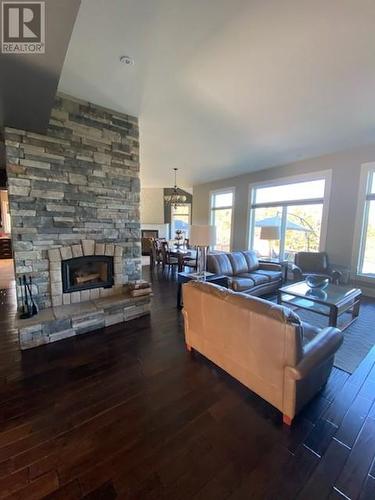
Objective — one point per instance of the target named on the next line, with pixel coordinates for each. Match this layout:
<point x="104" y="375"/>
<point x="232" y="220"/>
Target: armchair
<point x="314" y="263"/>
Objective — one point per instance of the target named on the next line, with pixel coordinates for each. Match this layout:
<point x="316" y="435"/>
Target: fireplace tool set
<point x="28" y="308"/>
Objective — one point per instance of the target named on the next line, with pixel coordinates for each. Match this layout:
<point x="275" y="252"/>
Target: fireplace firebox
<point x="83" y="273"/>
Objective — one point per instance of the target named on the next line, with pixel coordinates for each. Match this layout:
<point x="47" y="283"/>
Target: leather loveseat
<point x="245" y="273"/>
<point x="263" y="345"/>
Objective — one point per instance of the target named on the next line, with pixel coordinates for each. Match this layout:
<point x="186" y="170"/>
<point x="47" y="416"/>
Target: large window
<point x="288" y="217"/>
<point x="221" y="217"/>
<point x="366" y="264"/>
<point x="181" y="219"/>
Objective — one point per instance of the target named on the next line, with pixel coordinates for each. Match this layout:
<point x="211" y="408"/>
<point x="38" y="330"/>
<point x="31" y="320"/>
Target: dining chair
<point x="156" y="258"/>
<point x="167" y="258"/>
<point x="191" y="262"/>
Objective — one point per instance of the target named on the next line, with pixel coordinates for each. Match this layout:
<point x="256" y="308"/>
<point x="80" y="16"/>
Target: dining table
<point x="181" y="254"/>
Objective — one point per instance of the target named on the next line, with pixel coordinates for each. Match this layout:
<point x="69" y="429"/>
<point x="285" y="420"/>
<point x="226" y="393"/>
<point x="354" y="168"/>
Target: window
<point x="366" y="264"/>
<point x="221" y="217"/>
<point x="181" y="219"/>
<point x="287" y="217"/>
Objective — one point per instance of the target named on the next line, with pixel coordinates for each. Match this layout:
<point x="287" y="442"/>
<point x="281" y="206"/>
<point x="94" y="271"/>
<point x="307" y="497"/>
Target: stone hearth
<point x="61" y="322"/>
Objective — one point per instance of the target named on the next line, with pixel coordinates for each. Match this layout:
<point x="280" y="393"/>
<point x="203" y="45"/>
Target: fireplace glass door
<point x="83" y="273"/>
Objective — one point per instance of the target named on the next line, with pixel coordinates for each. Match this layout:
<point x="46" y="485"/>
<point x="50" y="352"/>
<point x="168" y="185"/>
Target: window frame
<point x="212" y="209"/>
<point x="361" y="222"/>
<point x="283" y="181"/>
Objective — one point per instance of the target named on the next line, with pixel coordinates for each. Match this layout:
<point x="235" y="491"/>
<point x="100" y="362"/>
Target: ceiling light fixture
<point x="127" y="60"/>
<point x="175" y="198"/>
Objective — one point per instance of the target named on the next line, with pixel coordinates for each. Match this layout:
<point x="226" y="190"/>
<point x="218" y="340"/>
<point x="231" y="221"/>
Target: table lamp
<point x="202" y="237"/>
<point x="270" y="233"/>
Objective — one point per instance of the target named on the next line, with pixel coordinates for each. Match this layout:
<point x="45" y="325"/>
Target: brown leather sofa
<point x="245" y="273"/>
<point x="263" y="345"/>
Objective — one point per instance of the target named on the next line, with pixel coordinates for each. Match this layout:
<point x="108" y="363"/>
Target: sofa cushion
<point x="271" y="275"/>
<point x="252" y="260"/>
<point x="219" y="263"/>
<point x="239" y="263"/>
<point x="242" y="284"/>
<point x="257" y="278"/>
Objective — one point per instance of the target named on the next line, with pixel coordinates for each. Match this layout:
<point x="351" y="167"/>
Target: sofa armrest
<point x="297" y="271"/>
<point x="270" y="266"/>
<point x="321" y="348"/>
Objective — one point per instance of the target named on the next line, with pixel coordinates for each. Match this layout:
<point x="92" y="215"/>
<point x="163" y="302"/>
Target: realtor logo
<point x="23" y="28"/>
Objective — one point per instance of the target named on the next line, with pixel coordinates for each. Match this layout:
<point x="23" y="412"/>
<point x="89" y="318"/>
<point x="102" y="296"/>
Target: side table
<point x="183" y="277"/>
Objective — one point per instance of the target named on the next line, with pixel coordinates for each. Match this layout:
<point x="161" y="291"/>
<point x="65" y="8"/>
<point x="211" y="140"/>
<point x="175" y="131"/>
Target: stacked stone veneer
<point x="78" y="183"/>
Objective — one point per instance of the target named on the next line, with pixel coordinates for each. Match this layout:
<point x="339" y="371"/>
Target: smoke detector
<point x="127" y="60"/>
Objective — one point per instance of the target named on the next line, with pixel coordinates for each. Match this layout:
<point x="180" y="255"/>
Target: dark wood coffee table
<point x="331" y="302"/>
<point x="182" y="278"/>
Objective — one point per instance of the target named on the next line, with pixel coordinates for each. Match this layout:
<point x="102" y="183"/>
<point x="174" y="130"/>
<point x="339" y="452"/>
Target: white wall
<point x="345" y="167"/>
<point x="152" y="206"/>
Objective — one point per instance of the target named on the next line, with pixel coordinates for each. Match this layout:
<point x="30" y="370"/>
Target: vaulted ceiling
<point x="28" y="82"/>
<point x="223" y="87"/>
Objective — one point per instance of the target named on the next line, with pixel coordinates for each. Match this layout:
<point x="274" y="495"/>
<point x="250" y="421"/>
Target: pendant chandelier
<point x="175" y="198"/>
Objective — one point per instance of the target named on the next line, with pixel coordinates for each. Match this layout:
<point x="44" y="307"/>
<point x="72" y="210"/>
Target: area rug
<point x="359" y="337"/>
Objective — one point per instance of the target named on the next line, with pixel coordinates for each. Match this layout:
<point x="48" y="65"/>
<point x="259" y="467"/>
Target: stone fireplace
<point x="84" y="273"/>
<point x="74" y="204"/>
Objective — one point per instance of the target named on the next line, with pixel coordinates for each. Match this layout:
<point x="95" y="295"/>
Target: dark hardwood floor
<point x="128" y="413"/>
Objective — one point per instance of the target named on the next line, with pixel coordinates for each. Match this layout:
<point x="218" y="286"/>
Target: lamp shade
<point x="202" y="236"/>
<point x="270" y="233"/>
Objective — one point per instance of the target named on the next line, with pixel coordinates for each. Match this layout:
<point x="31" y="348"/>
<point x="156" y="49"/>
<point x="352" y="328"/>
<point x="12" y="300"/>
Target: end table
<point x="182" y="278"/>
